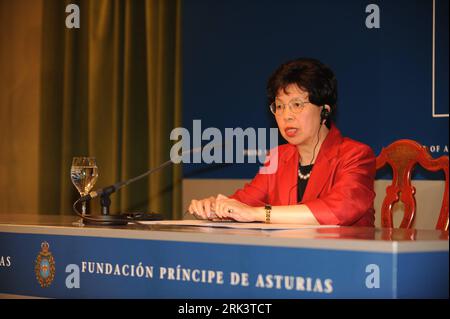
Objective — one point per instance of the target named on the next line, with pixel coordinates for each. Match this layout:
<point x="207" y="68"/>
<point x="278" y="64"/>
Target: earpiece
<point x="324" y="114"/>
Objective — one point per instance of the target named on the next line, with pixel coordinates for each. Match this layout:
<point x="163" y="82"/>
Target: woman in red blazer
<point x="319" y="177"/>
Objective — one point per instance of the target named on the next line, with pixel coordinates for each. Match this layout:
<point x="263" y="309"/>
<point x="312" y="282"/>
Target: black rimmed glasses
<point x="295" y="106"/>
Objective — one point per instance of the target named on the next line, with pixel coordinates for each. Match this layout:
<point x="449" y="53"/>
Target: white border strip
<point x="13" y="296"/>
<point x="234" y="238"/>
<point x="421" y="246"/>
<point x="394" y="271"/>
<point x="433" y="71"/>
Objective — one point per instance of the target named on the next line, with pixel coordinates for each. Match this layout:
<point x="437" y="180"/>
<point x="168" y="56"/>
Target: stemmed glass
<point x="84" y="174"/>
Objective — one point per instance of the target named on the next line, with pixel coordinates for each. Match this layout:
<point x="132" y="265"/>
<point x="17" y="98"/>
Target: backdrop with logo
<point x="393" y="80"/>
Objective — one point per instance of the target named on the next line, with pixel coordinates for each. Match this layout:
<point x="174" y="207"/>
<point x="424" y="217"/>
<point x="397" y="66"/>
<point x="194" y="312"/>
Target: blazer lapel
<point x="323" y="168"/>
<point x="291" y="177"/>
<point x="319" y="177"/>
<point x="287" y="178"/>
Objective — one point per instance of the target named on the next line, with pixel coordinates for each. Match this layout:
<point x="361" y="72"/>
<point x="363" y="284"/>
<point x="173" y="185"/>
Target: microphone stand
<point x="105" y="218"/>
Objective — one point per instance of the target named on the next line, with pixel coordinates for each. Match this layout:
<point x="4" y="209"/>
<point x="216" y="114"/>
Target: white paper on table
<point x="234" y="225"/>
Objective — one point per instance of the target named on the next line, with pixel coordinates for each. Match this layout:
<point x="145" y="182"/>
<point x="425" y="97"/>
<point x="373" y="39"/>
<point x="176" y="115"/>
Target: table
<point x="45" y="256"/>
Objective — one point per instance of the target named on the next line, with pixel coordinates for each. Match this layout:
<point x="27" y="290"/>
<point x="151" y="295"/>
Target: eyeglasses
<point x="295" y="106"/>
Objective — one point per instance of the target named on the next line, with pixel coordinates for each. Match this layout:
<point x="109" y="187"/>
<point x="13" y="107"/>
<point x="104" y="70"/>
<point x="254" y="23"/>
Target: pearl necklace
<point x="303" y="177"/>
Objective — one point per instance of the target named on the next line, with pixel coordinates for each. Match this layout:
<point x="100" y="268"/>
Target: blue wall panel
<point x="231" y="47"/>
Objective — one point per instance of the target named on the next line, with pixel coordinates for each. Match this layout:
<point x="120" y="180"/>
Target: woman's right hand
<point x="203" y="208"/>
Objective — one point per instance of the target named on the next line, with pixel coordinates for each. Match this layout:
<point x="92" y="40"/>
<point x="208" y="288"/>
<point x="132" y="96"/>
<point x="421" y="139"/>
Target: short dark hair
<point x="311" y="76"/>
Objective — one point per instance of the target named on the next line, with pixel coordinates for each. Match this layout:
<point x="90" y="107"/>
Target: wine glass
<point x="84" y="174"/>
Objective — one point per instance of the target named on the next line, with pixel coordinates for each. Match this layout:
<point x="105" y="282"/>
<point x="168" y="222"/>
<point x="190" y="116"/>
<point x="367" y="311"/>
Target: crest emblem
<point x="45" y="266"/>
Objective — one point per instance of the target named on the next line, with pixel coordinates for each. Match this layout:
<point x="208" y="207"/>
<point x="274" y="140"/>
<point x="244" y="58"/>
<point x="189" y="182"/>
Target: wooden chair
<point x="402" y="156"/>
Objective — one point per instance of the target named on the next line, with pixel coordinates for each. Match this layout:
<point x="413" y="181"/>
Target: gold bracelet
<point x="268" y="209"/>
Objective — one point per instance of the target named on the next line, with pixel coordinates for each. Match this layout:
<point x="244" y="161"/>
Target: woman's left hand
<point x="231" y="208"/>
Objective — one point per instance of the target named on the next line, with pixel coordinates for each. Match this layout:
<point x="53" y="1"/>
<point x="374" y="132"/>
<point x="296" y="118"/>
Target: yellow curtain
<point x="111" y="89"/>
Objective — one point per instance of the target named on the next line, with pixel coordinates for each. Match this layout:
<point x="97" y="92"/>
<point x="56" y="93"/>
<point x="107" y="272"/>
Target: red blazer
<point x="340" y="190"/>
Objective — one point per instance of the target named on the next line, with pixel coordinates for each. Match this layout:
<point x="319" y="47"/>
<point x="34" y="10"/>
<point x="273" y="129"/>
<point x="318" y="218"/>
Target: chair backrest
<point x="402" y="156"/>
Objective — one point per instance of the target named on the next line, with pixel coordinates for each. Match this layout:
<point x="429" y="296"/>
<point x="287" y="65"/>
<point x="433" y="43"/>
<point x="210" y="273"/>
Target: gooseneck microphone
<point x="116" y="220"/>
<point x="122" y="219"/>
<point x="115" y="187"/>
